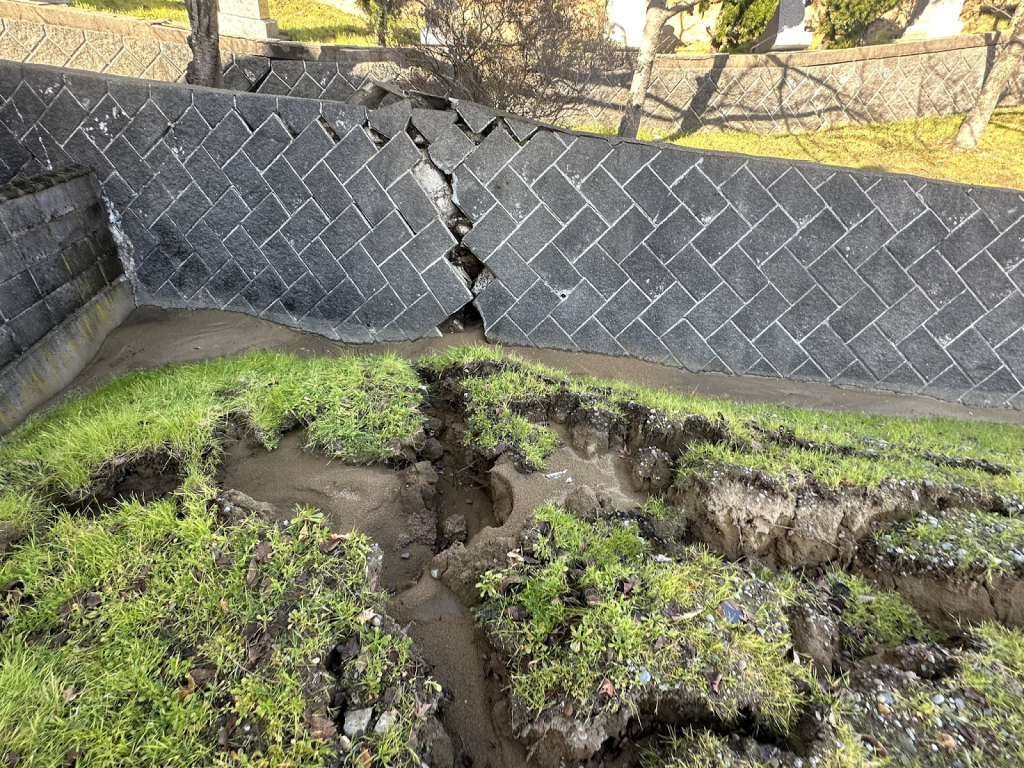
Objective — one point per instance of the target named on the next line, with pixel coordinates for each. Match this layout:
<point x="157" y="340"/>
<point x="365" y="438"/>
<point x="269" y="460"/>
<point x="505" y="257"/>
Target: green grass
<point x="105" y="616"/>
<point x="954" y="541"/>
<point x="599" y="610"/>
<point x="874" y="619"/>
<point x="359" y="409"/>
<point x="787" y="444"/>
<point x="920" y="147"/>
<point x="96" y="658"/>
<point x="306" y="21"/>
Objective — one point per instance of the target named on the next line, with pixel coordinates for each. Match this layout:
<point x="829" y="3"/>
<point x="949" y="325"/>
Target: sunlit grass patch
<point x="599" y="623"/>
<point x="356" y="408"/>
<point x="151" y="635"/>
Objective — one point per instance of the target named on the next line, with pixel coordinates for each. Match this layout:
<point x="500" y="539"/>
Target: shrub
<point x="741" y="23"/>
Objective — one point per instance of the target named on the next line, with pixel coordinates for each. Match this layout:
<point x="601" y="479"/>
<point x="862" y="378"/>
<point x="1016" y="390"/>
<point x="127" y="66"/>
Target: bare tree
<point x="658" y="14"/>
<point x="382" y="15"/>
<point x="1008" y="59"/>
<point x="204" y="40"/>
<point x="532" y="57"/>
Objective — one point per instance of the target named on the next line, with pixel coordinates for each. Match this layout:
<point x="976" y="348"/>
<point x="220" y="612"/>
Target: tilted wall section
<point x="323" y="216"/>
<point x="56" y="255"/>
<point x="768" y="93"/>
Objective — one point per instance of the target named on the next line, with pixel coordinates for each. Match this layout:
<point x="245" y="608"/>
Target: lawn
<point x="302" y="20"/>
<point x="920" y="147"/>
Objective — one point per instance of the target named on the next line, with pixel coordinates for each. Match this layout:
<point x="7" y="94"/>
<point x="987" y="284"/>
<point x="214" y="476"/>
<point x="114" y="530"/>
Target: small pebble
<point x="469" y="501"/>
<point x="406" y="555"/>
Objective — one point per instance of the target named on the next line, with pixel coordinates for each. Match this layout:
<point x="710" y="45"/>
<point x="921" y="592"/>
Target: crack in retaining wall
<point x="369" y="225"/>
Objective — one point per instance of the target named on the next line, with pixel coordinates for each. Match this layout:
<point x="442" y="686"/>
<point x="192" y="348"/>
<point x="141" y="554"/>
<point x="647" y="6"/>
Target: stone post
<point x="786" y="30"/>
<point x="246" y="18"/>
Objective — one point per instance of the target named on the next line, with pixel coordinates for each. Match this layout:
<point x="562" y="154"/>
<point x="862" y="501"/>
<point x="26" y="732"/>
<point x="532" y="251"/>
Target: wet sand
<point x="152" y="337"/>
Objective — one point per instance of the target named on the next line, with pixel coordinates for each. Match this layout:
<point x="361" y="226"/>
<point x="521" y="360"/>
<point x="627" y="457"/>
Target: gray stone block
<point x="606" y="195"/>
<point x="733" y="348"/>
<point x="720" y="235"/>
<point x="267" y="143"/>
<point x="264" y="220"/>
<point x="1003" y="320"/>
<point x="593" y="337"/>
<point x="1007" y="249"/>
<point x="535" y="232"/>
<point x="579" y="234"/>
<point x="350" y="154"/>
<point x="286" y="185"/>
<point x="896" y="200"/>
<point x="955" y="317"/>
<point x="386" y="237"/>
<point x="429" y="244"/>
<point x="581" y="157"/>
<point x="369" y="196"/>
<point x="797" y="197"/>
<point x="688" y="347"/>
<point x="513" y="194"/>
<point x="748" y="196"/>
<point x="477" y="117"/>
<point x="667" y="310"/>
<point x="555" y="270"/>
<point x="968" y="240"/>
<point x="938" y="280"/>
<point x="876" y="352"/>
<point x="916" y="239"/>
<point x="950" y="203"/>
<point x="577" y="307"/>
<point x="246" y="180"/>
<point x="404" y="278"/>
<point x="779" y="349"/>
<point x="694" y="273"/>
<point x="448" y="286"/>
<point x="327" y="190"/>
<point x="65" y="114"/>
<point x="672" y="163"/>
<point x="432" y="122"/>
<point x="397" y="157"/>
<point x="538" y="155"/>
<point x="549" y="335"/>
<point x="601" y="270"/>
<point x="533" y="306"/>
<point x="308" y="149"/>
<point x="885" y="275"/>
<point x="492" y="154"/>
<point x="833" y="273"/>
<point x="31" y="325"/>
<point x="450" y="148"/>
<point x="647" y="272"/>
<point x="865" y="238"/>
<point x="906" y="315"/>
<point x="421" y="316"/>
<point x="807" y="313"/>
<point x="472" y="197"/>
<point x="511" y="269"/>
<point x="493" y="302"/>
<point x="413" y="203"/>
<point x="628" y="158"/>
<point x="649" y="192"/>
<point x="768" y="236"/>
<point x="760" y="312"/>
<point x="489" y="233"/>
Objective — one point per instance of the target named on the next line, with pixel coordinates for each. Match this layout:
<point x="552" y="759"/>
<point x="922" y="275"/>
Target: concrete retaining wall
<point x="357" y="225"/>
<point x="764" y="93"/>
<point x="61" y="285"/>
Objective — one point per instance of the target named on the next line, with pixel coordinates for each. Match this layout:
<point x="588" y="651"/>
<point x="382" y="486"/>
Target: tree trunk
<point x="204" y="40"/>
<point x="382" y="33"/>
<point x="655" y="18"/>
<point x="1008" y="58"/>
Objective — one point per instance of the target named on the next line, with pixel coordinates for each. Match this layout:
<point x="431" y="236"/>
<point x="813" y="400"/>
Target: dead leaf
<point x="321" y="727"/>
<point x="224" y="606"/>
<point x="365" y="759"/>
<point x="331" y="543"/>
<point x="607" y="689"/>
<point x="69" y="694"/>
<point x="630" y="584"/>
<point x="567" y="710"/>
<point x="186" y="690"/>
<point x="878" y="746"/>
<point x="660" y="643"/>
<point x="251" y="576"/>
<point x="422" y="709"/>
<point x="262" y="552"/>
<point x="220" y="558"/>
<point x="715" y="680"/>
<point x="367" y="615"/>
<point x="516" y="613"/>
<point x="222" y="737"/>
<point x="947" y="742"/>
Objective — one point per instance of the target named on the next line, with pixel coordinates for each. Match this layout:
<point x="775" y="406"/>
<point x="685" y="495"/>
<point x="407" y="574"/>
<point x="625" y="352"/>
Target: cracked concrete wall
<point x="381" y="224"/>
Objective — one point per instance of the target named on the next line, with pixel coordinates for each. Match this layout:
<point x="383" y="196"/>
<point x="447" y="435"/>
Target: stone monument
<point x="246" y="18"/>
<point x="785" y="31"/>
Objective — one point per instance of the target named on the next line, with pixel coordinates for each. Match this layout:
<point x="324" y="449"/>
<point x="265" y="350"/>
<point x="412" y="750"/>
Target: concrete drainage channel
<point x="445" y="513"/>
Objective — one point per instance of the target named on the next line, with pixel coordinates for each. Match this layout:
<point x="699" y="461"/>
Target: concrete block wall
<point x="56" y="254"/>
<point x="356" y="225"/>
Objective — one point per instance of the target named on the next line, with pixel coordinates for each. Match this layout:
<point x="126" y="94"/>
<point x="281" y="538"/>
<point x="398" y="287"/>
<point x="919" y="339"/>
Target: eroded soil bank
<point x="785" y="655"/>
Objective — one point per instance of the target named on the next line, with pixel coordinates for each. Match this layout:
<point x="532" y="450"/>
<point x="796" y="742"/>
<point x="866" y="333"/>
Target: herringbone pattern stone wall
<point x="282" y="208"/>
<point x="743" y="265"/>
<point x="351" y="224"/>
